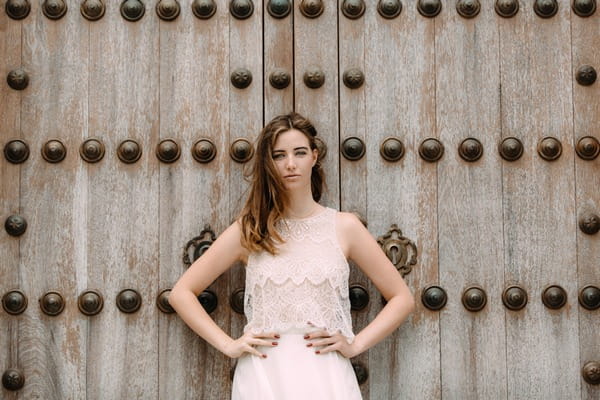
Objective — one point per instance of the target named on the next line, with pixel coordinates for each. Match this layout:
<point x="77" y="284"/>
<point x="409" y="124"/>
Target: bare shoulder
<point x="349" y="228"/>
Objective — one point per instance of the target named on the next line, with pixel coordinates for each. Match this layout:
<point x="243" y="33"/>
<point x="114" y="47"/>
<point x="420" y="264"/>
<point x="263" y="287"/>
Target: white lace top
<point x="306" y="282"/>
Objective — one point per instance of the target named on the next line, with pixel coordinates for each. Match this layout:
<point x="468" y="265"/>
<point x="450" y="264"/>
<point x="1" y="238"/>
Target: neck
<point x="301" y="206"/>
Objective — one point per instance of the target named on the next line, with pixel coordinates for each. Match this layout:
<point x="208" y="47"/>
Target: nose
<point x="290" y="163"/>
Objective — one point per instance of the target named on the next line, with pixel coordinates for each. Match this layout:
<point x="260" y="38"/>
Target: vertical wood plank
<point x="194" y="92"/>
<point x="473" y="361"/>
<point x="123" y="219"/>
<point x="400" y="81"/>
<point x="539" y="204"/>
<point x="52" y="349"/>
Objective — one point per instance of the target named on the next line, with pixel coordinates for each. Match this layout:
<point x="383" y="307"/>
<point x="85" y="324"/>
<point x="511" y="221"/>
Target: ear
<point x="315" y="154"/>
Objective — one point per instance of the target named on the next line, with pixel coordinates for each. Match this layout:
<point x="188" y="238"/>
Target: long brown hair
<point x="267" y="198"/>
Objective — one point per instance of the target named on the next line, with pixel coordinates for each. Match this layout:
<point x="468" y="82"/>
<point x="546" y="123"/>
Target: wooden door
<point x="131" y="137"/>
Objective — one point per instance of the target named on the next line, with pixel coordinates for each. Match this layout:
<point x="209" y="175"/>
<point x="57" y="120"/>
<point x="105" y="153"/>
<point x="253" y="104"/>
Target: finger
<point x="262" y="342"/>
<point x="270" y="335"/>
<point x="328" y="349"/>
<point x="317" y="334"/>
<point x="322" y="342"/>
<point x="254" y="351"/>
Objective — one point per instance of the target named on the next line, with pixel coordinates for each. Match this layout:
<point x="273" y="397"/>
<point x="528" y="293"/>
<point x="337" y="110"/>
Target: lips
<point x="291" y="176"/>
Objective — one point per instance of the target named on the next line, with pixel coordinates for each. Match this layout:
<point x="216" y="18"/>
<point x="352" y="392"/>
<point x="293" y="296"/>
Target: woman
<point x="298" y="340"/>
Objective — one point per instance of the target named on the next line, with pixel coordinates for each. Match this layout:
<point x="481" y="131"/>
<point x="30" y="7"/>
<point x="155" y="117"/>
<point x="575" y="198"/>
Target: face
<point x="294" y="159"/>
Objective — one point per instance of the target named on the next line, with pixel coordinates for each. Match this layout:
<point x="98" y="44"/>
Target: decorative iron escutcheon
<point x="18" y="79"/>
<point x="312" y="8"/>
<point x="468" y="8"/>
<point x="353" y="9"/>
<point x="90" y="302"/>
<point x="429" y="8"/>
<point x="591" y="372"/>
<point x="279" y="78"/>
<point x="204" y="151"/>
<point x="584" y="8"/>
<point x="389" y="8"/>
<point x="434" y="297"/>
<point x="200" y="244"/>
<point x="54" y="9"/>
<point x="52" y="303"/>
<point x="236" y="301"/>
<point x="16" y="151"/>
<point x="401" y="251"/>
<point x="506" y="8"/>
<point x="14" y="302"/>
<point x="241" y="9"/>
<point x="589" y="297"/>
<point x="15" y="225"/>
<point x="361" y="372"/>
<point x="17" y="9"/>
<point x="13" y="379"/>
<point x="279" y="8"/>
<point x="132" y="10"/>
<point x="168" y="10"/>
<point x="92" y="10"/>
<point x="204" y="9"/>
<point x="545" y="8"/>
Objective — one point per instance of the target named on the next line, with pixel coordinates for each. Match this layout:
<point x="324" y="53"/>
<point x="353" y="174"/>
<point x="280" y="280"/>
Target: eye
<point x="301" y="153"/>
<point x="277" y="156"/>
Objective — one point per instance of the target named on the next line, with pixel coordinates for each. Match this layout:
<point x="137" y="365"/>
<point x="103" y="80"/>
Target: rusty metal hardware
<point x="129" y="301"/>
<point x="54" y="9"/>
<point x="54" y="151"/>
<point x="279" y="78"/>
<point x="361" y="372"/>
<point x="506" y="8"/>
<point x="353" y="9"/>
<point x="208" y="299"/>
<point x="389" y="8"/>
<point x="311" y="8"/>
<point x="17" y="9"/>
<point x="429" y="8"/>
<point x="584" y="8"/>
<point x="14" y="302"/>
<point x="52" y="303"/>
<point x="92" y="10"/>
<point x="90" y="302"/>
<point x="401" y="251"/>
<point x="468" y="8"/>
<point x="589" y="297"/>
<point x="321" y="149"/>
<point x="18" y="79"/>
<point x="353" y="148"/>
<point x="13" y="379"/>
<point x="129" y="151"/>
<point x="589" y="223"/>
<point x="16" y="151"/>
<point x="591" y="372"/>
<point x="431" y="150"/>
<point x="162" y="302"/>
<point x="391" y="149"/>
<point x="241" y="150"/>
<point x="168" y="10"/>
<point x="588" y="148"/>
<point x="241" y="78"/>
<point x="199" y="244"/>
<point x="204" y="151"/>
<point x="92" y="150"/>
<point x="353" y="78"/>
<point x="549" y="148"/>
<point x="554" y="297"/>
<point x="545" y="8"/>
<point x="434" y="297"/>
<point x="314" y="77"/>
<point x="511" y="149"/>
<point x="241" y="9"/>
<point x="168" y="151"/>
<point x="279" y="8"/>
<point x="514" y="297"/>
<point x="236" y="301"/>
<point x="586" y="75"/>
<point x="15" y="225"/>
<point x="474" y="298"/>
<point x="359" y="297"/>
<point x="204" y="9"/>
<point x="132" y="10"/>
<point x="470" y="149"/>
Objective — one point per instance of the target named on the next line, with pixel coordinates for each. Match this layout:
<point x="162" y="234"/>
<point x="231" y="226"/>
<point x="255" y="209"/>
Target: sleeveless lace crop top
<point x="306" y="282"/>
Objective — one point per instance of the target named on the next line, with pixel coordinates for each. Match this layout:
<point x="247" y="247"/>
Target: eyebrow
<point x="296" y="148"/>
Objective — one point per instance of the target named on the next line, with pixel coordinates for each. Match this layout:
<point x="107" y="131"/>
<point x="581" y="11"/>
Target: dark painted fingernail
<point x="276" y="336"/>
<point x="318" y="352"/>
<point x="306" y="336"/>
<point x="274" y="343"/>
<point x="264" y="356"/>
<point x="309" y="345"/>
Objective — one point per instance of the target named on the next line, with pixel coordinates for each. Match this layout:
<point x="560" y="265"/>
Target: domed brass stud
<point x="162" y="302"/>
<point x="52" y="303"/>
<point x="361" y="372"/>
<point x="168" y="151"/>
<point x="91" y="150"/>
<point x="314" y="77"/>
<point x="208" y="299"/>
<point x="431" y="150"/>
<point x="353" y="148"/>
<point x="90" y="302"/>
<point x="586" y="75"/>
<point x="168" y="10"/>
<point x="15" y="225"/>
<point x="474" y="299"/>
<point x="236" y="301"/>
<point x="204" y="151"/>
<point x="17" y="9"/>
<point x="129" y="301"/>
<point x="54" y="151"/>
<point x="321" y="149"/>
<point x="389" y="8"/>
<point x="591" y="372"/>
<point x="511" y="149"/>
<point x="54" y="9"/>
<point x="279" y="8"/>
<point x="359" y="297"/>
<point x="434" y="297"/>
<point x="589" y="223"/>
<point x="392" y="149"/>
<point x="429" y="8"/>
<point x="241" y="78"/>
<point x="311" y="8"/>
<point x="353" y="9"/>
<point x="18" y="79"/>
<point x="554" y="297"/>
<point x="241" y="150"/>
<point x="13" y="379"/>
<point x="353" y="78"/>
<point x="589" y="297"/>
<point x="14" y="302"/>
<point x="129" y="151"/>
<point x="588" y="148"/>
<point x="241" y="9"/>
<point x="132" y="10"/>
<point x="549" y="148"/>
<point x="204" y="9"/>
<point x="514" y="298"/>
<point x="92" y="10"/>
<point x="16" y="151"/>
<point x="545" y="8"/>
<point x="584" y="8"/>
<point x="506" y="8"/>
<point x="470" y="149"/>
<point x="279" y="78"/>
<point x="468" y="8"/>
